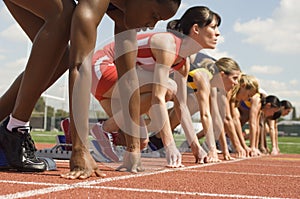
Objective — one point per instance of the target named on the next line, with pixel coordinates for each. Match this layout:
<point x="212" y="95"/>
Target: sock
<point x="155" y="143"/>
<point x="13" y="123"/>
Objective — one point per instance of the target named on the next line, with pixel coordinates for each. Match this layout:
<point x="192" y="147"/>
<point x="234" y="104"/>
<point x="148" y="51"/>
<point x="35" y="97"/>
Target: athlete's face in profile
<point x="244" y="94"/>
<point x="141" y="14"/>
<point x="269" y="110"/>
<point x="286" y="111"/>
<point x="230" y="80"/>
<point x="208" y="35"/>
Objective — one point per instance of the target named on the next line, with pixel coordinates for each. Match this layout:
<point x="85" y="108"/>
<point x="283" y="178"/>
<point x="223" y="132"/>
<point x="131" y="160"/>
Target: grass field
<point x="286" y="144"/>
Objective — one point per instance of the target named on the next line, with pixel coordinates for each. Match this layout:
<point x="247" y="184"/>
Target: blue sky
<point x="262" y="36"/>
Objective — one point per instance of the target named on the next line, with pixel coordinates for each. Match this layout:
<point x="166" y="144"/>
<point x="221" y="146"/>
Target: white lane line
<point x="268" y="165"/>
<point x="87" y="184"/>
<point x="62" y="187"/>
<point x="184" y="192"/>
<point x="244" y="173"/>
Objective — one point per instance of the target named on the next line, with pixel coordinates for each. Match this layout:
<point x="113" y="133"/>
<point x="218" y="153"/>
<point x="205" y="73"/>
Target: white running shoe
<point x="106" y="146"/>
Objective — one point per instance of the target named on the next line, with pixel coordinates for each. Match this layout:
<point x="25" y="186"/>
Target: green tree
<point x="40" y="105"/>
<point x="61" y="113"/>
<point x="50" y="111"/>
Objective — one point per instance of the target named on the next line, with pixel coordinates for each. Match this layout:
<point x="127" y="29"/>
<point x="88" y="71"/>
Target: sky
<point x="262" y="36"/>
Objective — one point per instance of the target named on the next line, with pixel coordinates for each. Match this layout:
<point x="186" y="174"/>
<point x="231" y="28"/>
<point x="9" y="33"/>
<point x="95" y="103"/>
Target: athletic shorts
<point x="104" y="75"/>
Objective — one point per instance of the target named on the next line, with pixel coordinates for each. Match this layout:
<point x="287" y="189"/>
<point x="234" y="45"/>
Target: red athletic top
<point x="104" y="71"/>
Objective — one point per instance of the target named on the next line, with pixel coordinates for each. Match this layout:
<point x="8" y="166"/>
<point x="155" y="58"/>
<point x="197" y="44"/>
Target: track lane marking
<point x="184" y="193"/>
<point x="269" y="165"/>
<point x="87" y="184"/>
<point x="62" y="187"/>
<point x="244" y="173"/>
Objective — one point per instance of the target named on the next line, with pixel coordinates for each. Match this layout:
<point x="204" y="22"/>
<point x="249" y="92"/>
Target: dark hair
<point x="200" y="15"/>
<point x="276" y="115"/>
<point x="273" y="100"/>
<point x="286" y="104"/>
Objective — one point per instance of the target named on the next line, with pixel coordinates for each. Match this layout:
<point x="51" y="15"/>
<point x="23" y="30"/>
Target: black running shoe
<point x="19" y="149"/>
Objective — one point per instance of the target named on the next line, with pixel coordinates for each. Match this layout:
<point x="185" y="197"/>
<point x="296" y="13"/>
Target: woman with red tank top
<point x="160" y="54"/>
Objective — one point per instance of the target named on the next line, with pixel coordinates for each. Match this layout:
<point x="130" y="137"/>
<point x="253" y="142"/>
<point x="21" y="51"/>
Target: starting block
<point x="60" y="152"/>
<point x="63" y="148"/>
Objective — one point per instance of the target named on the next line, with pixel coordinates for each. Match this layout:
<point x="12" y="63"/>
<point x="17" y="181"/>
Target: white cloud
<point x="14" y="33"/>
<point x="294" y="82"/>
<point x="14" y="68"/>
<point x="216" y="53"/>
<point x="266" y="70"/>
<point x="272" y="86"/>
<point x="18" y="64"/>
<point x="276" y="34"/>
<point x="283" y="91"/>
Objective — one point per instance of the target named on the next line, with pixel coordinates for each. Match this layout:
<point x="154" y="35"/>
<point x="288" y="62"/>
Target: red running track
<point x="262" y="177"/>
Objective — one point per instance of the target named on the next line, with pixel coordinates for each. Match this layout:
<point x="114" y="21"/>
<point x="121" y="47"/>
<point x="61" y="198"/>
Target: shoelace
<point x="29" y="146"/>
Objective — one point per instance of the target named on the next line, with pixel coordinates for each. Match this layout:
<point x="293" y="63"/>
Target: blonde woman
<point x="207" y="79"/>
<point x="249" y="110"/>
<point x="248" y="86"/>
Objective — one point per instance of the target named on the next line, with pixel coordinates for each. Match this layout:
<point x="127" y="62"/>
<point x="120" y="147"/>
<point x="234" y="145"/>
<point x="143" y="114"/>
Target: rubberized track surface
<point x="262" y="177"/>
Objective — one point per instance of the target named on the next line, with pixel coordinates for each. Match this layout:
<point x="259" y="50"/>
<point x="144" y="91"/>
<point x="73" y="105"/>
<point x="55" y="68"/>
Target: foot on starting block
<point x="50" y="163"/>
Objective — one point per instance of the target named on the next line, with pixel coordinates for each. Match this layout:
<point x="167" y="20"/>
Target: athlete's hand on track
<point x="254" y="152"/>
<point x="227" y="155"/>
<point x="240" y="152"/>
<point x="82" y="166"/>
<point x="248" y="151"/>
<point x="131" y="162"/>
<point x="198" y="152"/>
<point x="80" y="173"/>
<point x="212" y="156"/>
<point x="173" y="156"/>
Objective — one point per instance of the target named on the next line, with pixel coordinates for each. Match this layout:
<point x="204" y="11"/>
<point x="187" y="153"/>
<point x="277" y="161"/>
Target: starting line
<point x="93" y="185"/>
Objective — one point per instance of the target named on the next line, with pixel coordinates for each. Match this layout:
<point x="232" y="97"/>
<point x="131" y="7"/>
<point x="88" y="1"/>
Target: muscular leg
<point x="110" y="124"/>
<point x="47" y="49"/>
<point x="31" y="27"/>
<point x="37" y="75"/>
<point x="83" y="39"/>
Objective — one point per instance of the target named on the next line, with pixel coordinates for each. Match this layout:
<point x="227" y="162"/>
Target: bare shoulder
<point x="256" y="98"/>
<point x="164" y="41"/>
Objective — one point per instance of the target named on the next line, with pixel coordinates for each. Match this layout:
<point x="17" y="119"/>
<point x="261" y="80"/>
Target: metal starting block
<point x="56" y="152"/>
<point x="60" y="151"/>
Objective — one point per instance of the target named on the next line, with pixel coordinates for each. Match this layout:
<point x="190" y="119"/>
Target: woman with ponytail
<point x="208" y="79"/>
<point x="250" y="110"/>
<point x="160" y="54"/>
<point x="286" y="108"/>
<point x="248" y="86"/>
